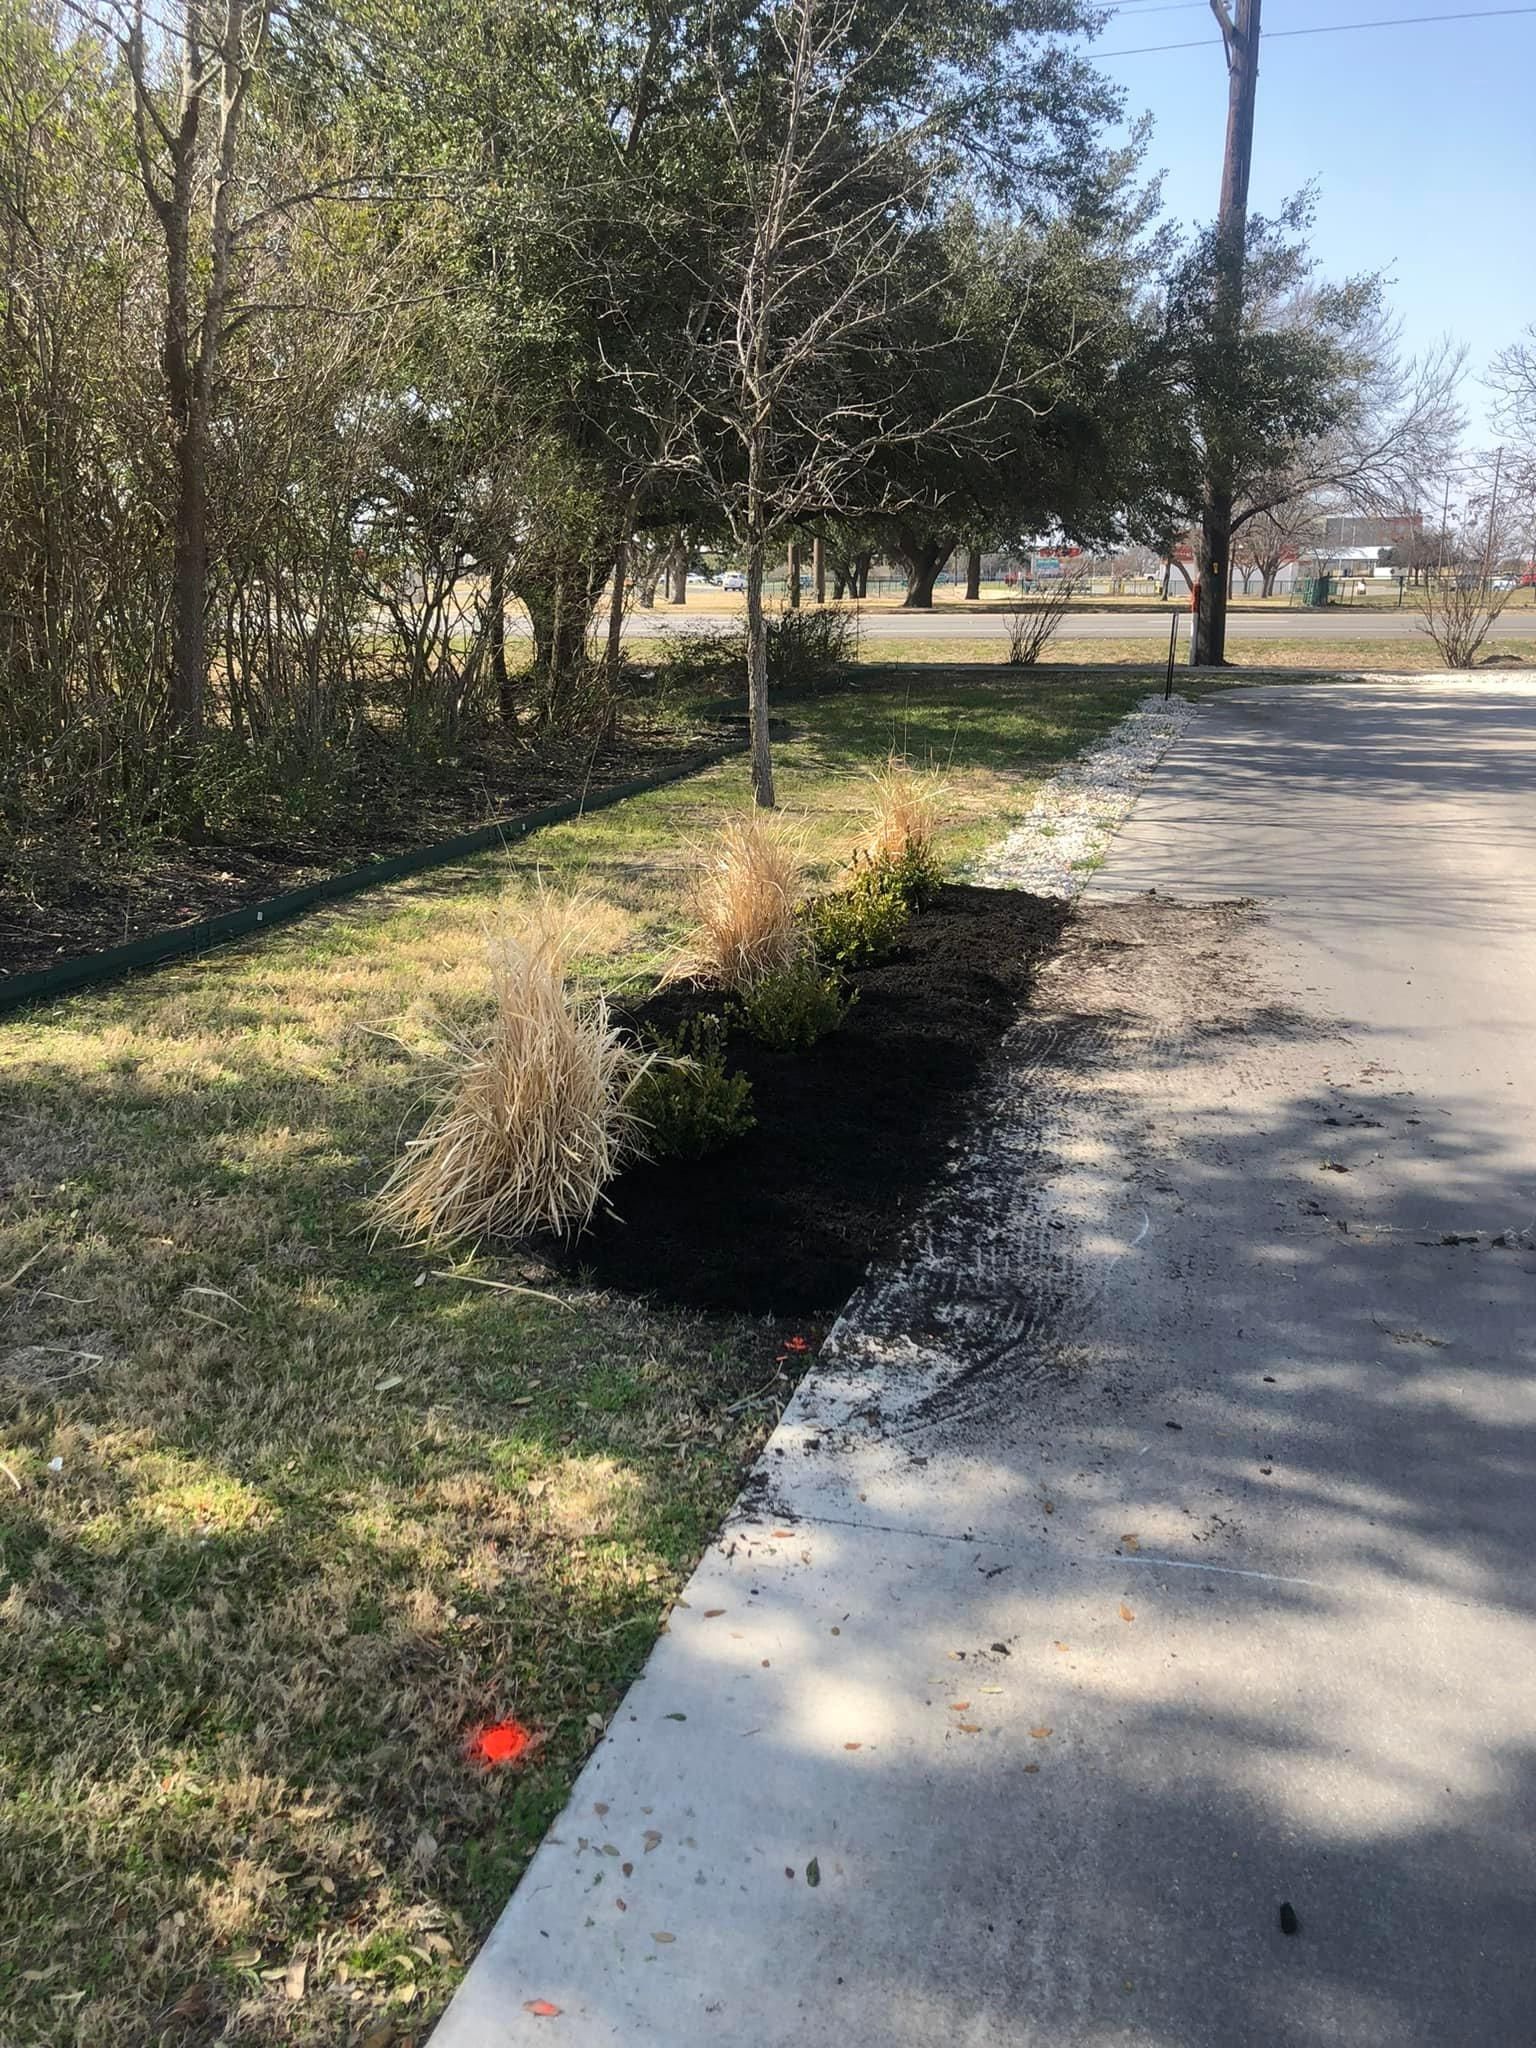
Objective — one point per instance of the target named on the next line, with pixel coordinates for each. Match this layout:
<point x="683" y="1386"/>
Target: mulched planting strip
<point x="849" y="1136"/>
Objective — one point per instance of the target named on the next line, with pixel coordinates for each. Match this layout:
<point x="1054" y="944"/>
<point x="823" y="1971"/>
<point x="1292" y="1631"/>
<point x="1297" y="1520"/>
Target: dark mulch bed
<point x="849" y="1134"/>
<point x="81" y="900"/>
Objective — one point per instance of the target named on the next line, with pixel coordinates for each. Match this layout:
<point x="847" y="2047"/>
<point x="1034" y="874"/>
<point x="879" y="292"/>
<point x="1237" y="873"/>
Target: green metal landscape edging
<point x="107" y="965"/>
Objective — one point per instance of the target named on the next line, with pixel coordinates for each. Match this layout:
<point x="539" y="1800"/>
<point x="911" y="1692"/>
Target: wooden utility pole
<point x="1240" y="34"/>
<point x="1493" y="513"/>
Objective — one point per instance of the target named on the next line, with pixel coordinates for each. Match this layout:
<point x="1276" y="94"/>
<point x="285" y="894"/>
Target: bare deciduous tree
<point x="813" y="274"/>
<point x="1275" y="536"/>
<point x="187" y="136"/>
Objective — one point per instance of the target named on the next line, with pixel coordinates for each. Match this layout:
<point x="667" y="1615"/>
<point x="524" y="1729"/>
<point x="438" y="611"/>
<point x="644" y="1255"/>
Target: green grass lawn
<point x="285" y="1515"/>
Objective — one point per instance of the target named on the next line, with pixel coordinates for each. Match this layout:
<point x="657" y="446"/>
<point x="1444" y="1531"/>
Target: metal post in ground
<point x="1173" y="648"/>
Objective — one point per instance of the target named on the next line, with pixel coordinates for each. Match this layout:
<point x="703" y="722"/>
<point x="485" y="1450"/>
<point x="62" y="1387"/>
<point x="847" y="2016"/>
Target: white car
<point x="699" y="581"/>
<point x="733" y="579"/>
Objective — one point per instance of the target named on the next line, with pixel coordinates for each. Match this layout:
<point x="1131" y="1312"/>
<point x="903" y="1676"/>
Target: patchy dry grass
<point x="1412" y="655"/>
<point x="286" y="1515"/>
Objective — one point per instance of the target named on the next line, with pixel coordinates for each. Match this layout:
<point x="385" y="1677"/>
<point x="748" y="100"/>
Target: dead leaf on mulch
<point x="1126" y="1613"/>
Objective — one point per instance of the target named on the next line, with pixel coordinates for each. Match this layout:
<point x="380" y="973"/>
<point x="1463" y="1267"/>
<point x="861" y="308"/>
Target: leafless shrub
<point x="1460" y="610"/>
<point x="1032" y="621"/>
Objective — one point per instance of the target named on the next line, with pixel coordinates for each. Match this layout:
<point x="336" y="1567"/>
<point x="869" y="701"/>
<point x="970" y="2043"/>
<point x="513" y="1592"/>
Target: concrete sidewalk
<point x="1152" y="1545"/>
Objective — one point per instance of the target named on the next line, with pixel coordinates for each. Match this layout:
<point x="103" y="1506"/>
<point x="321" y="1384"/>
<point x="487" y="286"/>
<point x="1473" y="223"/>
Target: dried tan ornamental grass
<point x="906" y="808"/>
<point x="743" y="902"/>
<point x="536" y="1123"/>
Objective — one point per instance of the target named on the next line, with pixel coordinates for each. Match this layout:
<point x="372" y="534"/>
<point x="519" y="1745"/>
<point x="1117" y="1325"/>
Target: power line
<point x="1332" y="28"/>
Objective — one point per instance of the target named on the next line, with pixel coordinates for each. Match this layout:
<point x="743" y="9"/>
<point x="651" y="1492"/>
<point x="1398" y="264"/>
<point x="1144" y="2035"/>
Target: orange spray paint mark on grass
<point x="504" y="1742"/>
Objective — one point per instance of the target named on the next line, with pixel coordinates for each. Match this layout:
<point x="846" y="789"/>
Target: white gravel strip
<point x="1071" y="822"/>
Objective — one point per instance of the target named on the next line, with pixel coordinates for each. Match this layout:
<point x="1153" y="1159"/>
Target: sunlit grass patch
<point x="324" y="1507"/>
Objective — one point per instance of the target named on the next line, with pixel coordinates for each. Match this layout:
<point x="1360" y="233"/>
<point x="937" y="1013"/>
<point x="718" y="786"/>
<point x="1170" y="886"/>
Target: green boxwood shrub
<point x="856" y="926"/>
<point x="791" y="1009"/>
<point x="914" y="873"/>
<point x="688" y="1102"/>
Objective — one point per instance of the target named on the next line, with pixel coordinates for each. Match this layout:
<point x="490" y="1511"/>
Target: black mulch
<point x="849" y="1136"/>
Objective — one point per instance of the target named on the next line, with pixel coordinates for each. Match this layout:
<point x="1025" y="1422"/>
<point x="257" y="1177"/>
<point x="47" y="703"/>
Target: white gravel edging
<point x="1071" y="822"/>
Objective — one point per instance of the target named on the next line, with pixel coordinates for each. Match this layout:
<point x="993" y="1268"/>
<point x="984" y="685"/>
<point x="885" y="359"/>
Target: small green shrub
<point x="856" y="926"/>
<point x="687" y="1103"/>
<point x="914" y="873"/>
<point x="790" y="1009"/>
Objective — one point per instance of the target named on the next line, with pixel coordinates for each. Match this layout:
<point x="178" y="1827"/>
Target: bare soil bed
<point x="849" y="1136"/>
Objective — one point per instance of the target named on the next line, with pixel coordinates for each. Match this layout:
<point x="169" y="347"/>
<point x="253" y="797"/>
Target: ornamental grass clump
<point x="537" y="1120"/>
<point x="906" y="807"/>
<point x="743" y="903"/>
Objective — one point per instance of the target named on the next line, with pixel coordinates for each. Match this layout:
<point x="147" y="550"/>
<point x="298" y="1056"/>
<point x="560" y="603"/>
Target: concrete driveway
<point x="1152" y="1546"/>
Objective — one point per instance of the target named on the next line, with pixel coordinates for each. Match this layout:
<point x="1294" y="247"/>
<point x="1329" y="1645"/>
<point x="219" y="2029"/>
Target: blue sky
<point x="1422" y="142"/>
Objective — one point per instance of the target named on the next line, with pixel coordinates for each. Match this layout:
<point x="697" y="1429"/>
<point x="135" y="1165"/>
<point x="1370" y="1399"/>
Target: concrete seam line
<point x="157" y="948"/>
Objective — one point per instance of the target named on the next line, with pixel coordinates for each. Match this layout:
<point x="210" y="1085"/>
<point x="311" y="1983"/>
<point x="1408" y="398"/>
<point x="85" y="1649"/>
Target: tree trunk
<point x="861" y="573"/>
<point x="792" y="576"/>
<point x="678" y="570"/>
<point x="189" y="515"/>
<point x="506" y="698"/>
<point x="1269" y="574"/>
<point x="1208" y="642"/>
<point x="616" y="608"/>
<point x="841" y="578"/>
<point x="972" y="575"/>
<point x="922" y="560"/>
<point x="560" y="597"/>
<point x="189" y="577"/>
<point x="757" y="626"/>
<point x="819" y="568"/>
